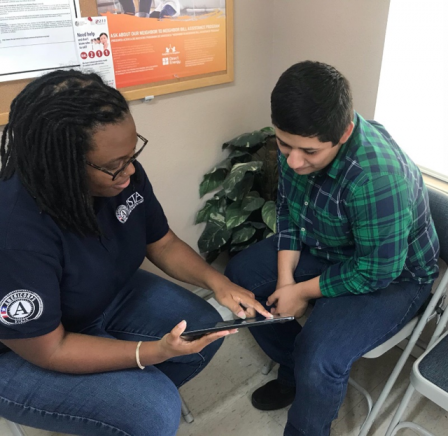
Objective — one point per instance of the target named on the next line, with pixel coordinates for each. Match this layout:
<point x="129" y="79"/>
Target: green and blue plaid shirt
<point x="367" y="212"/>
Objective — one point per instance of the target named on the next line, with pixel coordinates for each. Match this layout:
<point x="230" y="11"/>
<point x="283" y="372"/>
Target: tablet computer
<point x="197" y="331"/>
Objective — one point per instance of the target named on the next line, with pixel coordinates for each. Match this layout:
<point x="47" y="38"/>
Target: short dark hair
<point x="50" y="130"/>
<point x="101" y="34"/>
<point x="312" y="99"/>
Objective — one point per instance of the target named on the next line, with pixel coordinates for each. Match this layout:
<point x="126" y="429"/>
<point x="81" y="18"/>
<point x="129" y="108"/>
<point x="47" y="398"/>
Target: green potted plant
<point x="242" y="212"/>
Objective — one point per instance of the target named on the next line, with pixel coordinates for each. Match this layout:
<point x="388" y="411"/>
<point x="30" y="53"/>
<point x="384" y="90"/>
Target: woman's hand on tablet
<point x="172" y="344"/>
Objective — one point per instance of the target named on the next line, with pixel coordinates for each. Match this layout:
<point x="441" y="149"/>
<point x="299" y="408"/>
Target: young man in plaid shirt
<point x="354" y="237"/>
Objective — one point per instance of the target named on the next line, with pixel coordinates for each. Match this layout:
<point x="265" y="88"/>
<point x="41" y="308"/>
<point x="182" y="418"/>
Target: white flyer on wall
<point x="94" y="51"/>
<point x="36" y="37"/>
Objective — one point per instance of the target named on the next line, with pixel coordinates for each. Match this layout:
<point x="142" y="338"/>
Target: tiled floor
<point x="219" y="397"/>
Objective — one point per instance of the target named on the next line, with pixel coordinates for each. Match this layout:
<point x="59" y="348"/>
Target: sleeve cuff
<point x="333" y="285"/>
<point x="287" y="241"/>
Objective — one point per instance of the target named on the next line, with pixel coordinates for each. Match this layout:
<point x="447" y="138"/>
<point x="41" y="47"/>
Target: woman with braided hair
<point x="89" y="343"/>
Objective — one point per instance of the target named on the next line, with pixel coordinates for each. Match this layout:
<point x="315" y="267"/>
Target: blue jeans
<point x="129" y="402"/>
<point x="317" y="358"/>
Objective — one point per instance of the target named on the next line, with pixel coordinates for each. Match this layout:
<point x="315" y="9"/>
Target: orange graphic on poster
<point x="151" y="50"/>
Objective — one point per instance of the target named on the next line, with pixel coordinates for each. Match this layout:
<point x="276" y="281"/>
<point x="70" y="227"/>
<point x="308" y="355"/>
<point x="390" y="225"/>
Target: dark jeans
<point x="130" y="402"/>
<point x="317" y="358"/>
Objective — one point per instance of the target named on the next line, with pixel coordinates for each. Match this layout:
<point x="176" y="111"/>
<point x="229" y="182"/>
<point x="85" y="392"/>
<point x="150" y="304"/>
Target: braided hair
<point x="50" y="130"/>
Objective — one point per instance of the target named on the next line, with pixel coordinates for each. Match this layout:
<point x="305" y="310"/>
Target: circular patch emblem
<point x="20" y="306"/>
<point x="122" y="213"/>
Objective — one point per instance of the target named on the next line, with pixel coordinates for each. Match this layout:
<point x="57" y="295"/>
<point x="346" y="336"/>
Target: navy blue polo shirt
<point x="49" y="275"/>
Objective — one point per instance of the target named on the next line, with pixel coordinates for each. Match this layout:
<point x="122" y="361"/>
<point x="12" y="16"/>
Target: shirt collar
<point x="337" y="165"/>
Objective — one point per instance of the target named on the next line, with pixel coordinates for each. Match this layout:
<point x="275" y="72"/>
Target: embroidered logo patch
<point x="20" y="306"/>
<point x="123" y="211"/>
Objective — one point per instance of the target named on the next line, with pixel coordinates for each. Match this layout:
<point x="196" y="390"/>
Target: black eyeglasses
<point x="116" y="173"/>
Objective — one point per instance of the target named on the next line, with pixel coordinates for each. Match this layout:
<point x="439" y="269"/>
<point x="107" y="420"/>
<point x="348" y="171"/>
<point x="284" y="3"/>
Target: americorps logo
<point x="20" y="306"/>
<point x="123" y="211"/>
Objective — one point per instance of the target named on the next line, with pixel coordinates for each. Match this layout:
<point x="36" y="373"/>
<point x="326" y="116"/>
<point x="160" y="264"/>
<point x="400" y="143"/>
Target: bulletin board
<point x="9" y="90"/>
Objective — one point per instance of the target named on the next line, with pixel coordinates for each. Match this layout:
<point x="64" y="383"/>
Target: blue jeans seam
<point x="34" y="409"/>
<point x="261" y="284"/>
<point x="339" y="402"/>
<point x="194" y="373"/>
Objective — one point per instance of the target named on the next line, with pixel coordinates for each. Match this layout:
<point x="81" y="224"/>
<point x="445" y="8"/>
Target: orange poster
<point x="147" y="50"/>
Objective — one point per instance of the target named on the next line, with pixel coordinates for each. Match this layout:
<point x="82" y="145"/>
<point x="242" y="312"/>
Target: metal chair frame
<point x="434" y="309"/>
<point x="416" y="377"/>
<point x="16" y="429"/>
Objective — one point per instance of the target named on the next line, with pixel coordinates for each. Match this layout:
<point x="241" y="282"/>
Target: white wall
<point x="348" y="34"/>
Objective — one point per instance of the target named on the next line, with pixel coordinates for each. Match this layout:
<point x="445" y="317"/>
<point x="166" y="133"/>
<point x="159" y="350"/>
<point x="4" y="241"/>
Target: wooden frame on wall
<point x="9" y="90"/>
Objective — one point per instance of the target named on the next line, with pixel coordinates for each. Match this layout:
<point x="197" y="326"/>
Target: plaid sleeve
<point x="287" y="232"/>
<point x="382" y="219"/>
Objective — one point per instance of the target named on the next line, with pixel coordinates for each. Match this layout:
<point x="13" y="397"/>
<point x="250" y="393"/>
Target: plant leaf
<point x="204" y="213"/>
<point x="252" y="201"/>
<point x="269" y="215"/>
<point x="257" y="225"/>
<point x="267" y="234"/>
<point x="247" y="140"/>
<point x="215" y="205"/>
<point x="213" y="237"/>
<point x="211" y="182"/>
<point x="212" y="256"/>
<point x="242" y="188"/>
<point x="235" y="216"/>
<point x="226" y="164"/>
<point x="239" y="156"/>
<point x="238" y="172"/>
<point x="218" y="218"/>
<point x="242" y="234"/>
<point x="219" y="194"/>
<point x="269" y="130"/>
<point x="221" y="201"/>
<point x="214" y="177"/>
<point x="241" y="247"/>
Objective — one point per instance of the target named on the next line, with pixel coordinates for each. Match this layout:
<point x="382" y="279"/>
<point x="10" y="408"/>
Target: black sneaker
<point x="273" y="396"/>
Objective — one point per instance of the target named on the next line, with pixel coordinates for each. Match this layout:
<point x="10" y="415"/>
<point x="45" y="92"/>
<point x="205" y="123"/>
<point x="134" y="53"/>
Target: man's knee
<point x="233" y="271"/>
<point x="254" y="265"/>
<point x="240" y="269"/>
<point x="317" y="364"/>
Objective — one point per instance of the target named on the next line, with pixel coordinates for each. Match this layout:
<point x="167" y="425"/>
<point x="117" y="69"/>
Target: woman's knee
<point x="127" y="402"/>
<point x="154" y="413"/>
